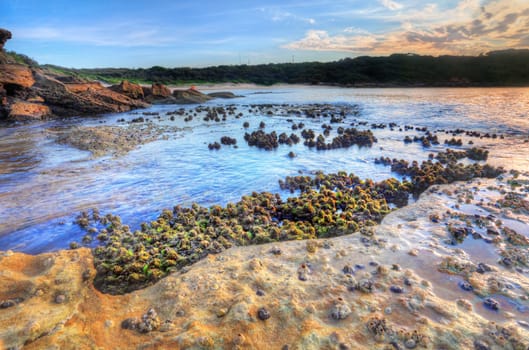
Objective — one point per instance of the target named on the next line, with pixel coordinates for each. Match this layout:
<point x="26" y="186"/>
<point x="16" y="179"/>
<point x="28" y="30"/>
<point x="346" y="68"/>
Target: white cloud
<point x="279" y="15"/>
<point x="354" y="30"/>
<point x="391" y="5"/>
<point x="121" y="35"/>
<point x="467" y="28"/>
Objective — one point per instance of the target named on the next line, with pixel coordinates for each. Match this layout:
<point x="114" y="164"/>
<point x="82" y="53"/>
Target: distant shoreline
<point x="243" y="86"/>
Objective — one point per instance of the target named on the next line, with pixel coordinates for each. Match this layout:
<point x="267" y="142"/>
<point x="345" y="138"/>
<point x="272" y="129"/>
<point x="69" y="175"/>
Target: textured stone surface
<point x="213" y="304"/>
<point x="16" y="74"/>
<point x="26" y="110"/>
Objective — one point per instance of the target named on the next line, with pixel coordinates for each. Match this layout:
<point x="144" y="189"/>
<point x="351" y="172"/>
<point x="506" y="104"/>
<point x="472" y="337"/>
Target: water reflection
<point x="43" y="185"/>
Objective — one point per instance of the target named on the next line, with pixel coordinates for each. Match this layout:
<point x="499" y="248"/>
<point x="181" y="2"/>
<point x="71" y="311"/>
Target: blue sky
<point x="143" y="33"/>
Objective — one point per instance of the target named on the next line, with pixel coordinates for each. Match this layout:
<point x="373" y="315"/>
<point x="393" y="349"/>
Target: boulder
<point x="21" y="110"/>
<point x="190" y="96"/>
<point x="161" y="90"/>
<point x="16" y="74"/>
<point x="129" y="89"/>
<point x="5" y="35"/>
<point x="158" y="93"/>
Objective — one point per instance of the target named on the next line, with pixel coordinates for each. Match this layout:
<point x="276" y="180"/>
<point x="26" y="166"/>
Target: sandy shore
<point x="397" y="286"/>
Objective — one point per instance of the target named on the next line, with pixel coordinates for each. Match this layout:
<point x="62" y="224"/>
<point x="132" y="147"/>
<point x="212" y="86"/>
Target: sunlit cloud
<point x="474" y="28"/>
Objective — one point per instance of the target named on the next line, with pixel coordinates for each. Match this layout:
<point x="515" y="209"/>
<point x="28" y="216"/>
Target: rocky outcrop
<point x="190" y="96"/>
<point x="161" y="90"/>
<point x="157" y="93"/>
<point x="129" y="89"/>
<point x="79" y="99"/>
<point x="27" y="93"/>
<point x="78" y="87"/>
<point x="16" y="74"/>
<point x="5" y="35"/>
<point x="22" y="110"/>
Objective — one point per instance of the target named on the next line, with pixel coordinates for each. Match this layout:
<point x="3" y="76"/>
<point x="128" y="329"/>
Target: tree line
<point x="496" y="68"/>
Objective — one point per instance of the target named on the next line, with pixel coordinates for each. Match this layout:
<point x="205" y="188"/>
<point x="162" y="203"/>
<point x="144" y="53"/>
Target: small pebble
<point x="466" y="286"/>
<point x="130" y="323"/>
<point x="348" y="270"/>
<point x="275" y="250"/>
<point x="260" y="292"/>
<point x="59" y="299"/>
<point x="410" y="344"/>
<point x="396" y="289"/>
<point x="491" y="304"/>
<point x="7" y="303"/>
<point x="482" y="268"/>
<point x="263" y="314"/>
<point x="388" y="310"/>
<point x="340" y="310"/>
<point x="481" y="345"/>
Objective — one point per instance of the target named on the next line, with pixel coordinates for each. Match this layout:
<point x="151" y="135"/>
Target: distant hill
<point x="496" y="68"/>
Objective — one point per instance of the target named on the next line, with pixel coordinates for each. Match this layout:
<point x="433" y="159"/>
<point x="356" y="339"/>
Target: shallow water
<point x="44" y="185"/>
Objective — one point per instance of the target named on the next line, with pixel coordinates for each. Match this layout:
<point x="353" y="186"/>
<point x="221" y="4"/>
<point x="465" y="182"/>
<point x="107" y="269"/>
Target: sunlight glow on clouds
<point x="172" y="33"/>
<point x="469" y="28"/>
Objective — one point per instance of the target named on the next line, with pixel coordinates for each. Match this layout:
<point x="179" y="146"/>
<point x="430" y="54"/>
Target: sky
<point x="178" y="33"/>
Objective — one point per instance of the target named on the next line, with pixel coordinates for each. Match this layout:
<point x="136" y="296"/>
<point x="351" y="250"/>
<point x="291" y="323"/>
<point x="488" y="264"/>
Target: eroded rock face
<point x="16" y="74"/>
<point x="78" y="87"/>
<point x="160" y="90"/>
<point x="79" y="99"/>
<point x="129" y="89"/>
<point x="158" y="93"/>
<point x="5" y="35"/>
<point x="22" y="110"/>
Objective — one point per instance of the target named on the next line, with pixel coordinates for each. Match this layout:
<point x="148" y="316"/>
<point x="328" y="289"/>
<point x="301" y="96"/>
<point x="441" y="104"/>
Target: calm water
<point x="44" y="185"/>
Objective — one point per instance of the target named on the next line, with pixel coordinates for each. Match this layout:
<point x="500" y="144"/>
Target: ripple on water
<point x="44" y="185"/>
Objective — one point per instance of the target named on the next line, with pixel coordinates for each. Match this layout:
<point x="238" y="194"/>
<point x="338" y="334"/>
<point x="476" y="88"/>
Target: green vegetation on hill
<point x="499" y="68"/>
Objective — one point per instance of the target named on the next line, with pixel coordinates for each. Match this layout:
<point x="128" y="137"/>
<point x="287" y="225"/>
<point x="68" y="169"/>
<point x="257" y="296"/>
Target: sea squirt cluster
<point x="327" y="206"/>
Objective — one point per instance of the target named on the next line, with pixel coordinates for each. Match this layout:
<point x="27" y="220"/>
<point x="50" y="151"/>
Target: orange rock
<point x="81" y="98"/>
<point x="82" y="87"/>
<point x="160" y="90"/>
<point x="129" y="89"/>
<point x="16" y="74"/>
<point x="26" y="110"/>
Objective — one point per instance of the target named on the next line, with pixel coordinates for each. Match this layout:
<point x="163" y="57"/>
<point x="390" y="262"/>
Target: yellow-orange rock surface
<point x="16" y="74"/>
<point x="129" y="89"/>
<point x="215" y="303"/>
<point x="28" y="110"/>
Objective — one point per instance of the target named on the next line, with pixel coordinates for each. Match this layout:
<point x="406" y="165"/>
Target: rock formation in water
<point x="190" y="96"/>
<point x="129" y="89"/>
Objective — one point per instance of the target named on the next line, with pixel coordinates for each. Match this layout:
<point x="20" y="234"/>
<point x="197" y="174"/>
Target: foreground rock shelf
<point x="378" y="289"/>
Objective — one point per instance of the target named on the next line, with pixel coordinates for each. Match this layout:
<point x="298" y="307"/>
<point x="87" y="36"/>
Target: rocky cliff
<point x="31" y="92"/>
